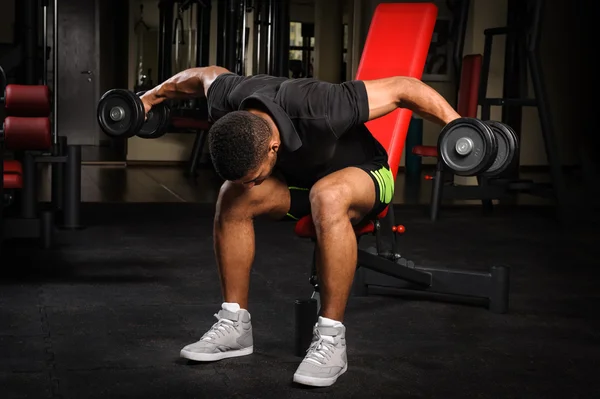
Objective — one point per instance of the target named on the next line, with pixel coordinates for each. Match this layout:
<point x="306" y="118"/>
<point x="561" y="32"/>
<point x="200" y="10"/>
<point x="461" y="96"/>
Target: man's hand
<point x="148" y="104"/>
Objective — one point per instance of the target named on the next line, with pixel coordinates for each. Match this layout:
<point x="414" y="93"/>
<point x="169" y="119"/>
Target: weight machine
<point x="29" y="132"/>
<point x="270" y="50"/>
<point x="521" y="57"/>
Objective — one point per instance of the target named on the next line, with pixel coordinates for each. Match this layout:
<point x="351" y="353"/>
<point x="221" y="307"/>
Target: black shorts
<point x="384" y="192"/>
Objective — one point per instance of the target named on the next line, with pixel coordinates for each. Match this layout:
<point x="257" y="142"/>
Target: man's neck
<point x="269" y="120"/>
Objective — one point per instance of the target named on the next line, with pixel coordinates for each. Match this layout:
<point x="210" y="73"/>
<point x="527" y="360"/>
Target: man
<point x="289" y="148"/>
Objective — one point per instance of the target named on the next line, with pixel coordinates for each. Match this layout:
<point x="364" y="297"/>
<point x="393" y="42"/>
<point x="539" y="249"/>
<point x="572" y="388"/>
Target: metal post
<point x="45" y="36"/>
<point x="165" y="67"/>
<point x="29" y="191"/>
<point x="269" y="37"/>
<point x="244" y="40"/>
<point x="29" y="41"/>
<point x="257" y="14"/>
<point x="72" y="187"/>
<point x="55" y="74"/>
<point x="58" y="168"/>
<point x="231" y="36"/>
<point x="46" y="228"/>
<point x="282" y="35"/>
<point x="161" y="42"/>
<point x="203" y="21"/>
<point x="537" y="79"/>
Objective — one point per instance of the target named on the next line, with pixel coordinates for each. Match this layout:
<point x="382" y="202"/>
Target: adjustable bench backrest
<point x="397" y="45"/>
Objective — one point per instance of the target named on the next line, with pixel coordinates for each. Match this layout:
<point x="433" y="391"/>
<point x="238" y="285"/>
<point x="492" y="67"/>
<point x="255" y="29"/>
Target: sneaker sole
<point x="209" y="357"/>
<point x="316" y="381"/>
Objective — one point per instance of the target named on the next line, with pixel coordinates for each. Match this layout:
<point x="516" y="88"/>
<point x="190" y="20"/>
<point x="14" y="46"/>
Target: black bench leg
<point x="46" y="228"/>
<point x="436" y="194"/>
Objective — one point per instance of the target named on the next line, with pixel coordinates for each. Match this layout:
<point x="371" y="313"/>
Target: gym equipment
<point x="508" y="148"/>
<point x="383" y="267"/>
<point x="470" y="147"/>
<point x="156" y="122"/>
<point x="467" y="146"/>
<point x="523" y="64"/>
<point x="22" y="100"/>
<point x="21" y="133"/>
<point x="121" y="115"/>
<point x="30" y="138"/>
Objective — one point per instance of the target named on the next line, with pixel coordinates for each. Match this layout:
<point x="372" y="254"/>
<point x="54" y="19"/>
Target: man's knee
<point x="233" y="201"/>
<point x="329" y="202"/>
<point x="238" y="202"/>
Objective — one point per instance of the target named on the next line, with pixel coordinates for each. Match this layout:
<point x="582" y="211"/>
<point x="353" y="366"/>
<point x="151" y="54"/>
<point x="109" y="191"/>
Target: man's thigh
<point x="363" y="190"/>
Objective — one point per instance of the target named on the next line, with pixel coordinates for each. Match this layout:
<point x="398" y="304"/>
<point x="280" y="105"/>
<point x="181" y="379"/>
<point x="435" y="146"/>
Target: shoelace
<point x="320" y="350"/>
<point x="221" y="327"/>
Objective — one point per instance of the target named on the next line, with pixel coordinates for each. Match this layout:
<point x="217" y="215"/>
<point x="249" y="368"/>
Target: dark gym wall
<point x="7" y="21"/>
<point x="564" y="49"/>
<point x="113" y="17"/>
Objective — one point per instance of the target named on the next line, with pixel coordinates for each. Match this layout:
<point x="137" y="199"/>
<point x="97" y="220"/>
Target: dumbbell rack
<point x="528" y="45"/>
<point x="26" y="132"/>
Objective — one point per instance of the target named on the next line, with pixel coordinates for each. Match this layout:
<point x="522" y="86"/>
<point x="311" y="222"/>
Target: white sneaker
<point x="325" y="359"/>
<point x="230" y="336"/>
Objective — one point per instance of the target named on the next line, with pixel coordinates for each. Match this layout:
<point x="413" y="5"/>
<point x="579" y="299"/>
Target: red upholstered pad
<point x="306" y="228"/>
<point x="27" y="100"/>
<point x="12" y="181"/>
<point x="11" y="166"/>
<point x="425" y="150"/>
<point x="397" y="45"/>
<point x="189" y="123"/>
<point x="27" y="133"/>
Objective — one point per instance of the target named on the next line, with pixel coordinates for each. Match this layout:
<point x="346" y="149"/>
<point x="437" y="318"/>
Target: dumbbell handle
<point x="117" y="113"/>
<point x="464" y="146"/>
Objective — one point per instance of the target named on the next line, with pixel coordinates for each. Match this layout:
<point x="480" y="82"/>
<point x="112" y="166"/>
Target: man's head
<point x="243" y="147"/>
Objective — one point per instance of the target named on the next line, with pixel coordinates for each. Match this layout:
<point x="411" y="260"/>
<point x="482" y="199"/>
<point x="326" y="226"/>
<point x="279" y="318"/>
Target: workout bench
<point x="411" y="27"/>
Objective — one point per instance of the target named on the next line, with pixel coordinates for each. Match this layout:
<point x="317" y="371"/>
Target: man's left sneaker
<point x="325" y="359"/>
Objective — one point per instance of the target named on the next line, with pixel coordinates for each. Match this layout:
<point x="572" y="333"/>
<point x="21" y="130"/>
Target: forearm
<point x="190" y="83"/>
<point x="426" y="102"/>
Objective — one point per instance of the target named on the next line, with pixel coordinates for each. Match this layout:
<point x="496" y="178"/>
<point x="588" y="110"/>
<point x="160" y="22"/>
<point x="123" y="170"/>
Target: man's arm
<point x="190" y="83"/>
<point x="387" y="94"/>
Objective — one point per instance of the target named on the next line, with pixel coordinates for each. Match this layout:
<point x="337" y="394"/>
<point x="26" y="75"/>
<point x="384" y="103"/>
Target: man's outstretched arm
<point x="190" y="83"/>
<point x="387" y="94"/>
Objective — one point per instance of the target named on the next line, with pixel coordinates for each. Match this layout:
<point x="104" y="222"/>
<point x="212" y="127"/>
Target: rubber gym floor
<point x="105" y="313"/>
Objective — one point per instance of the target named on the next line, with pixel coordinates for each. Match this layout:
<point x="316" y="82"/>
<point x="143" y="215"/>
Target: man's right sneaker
<point x="230" y="336"/>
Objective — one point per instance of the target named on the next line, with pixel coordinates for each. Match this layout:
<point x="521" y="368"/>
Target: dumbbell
<point x="471" y="147"/>
<point x="121" y="115"/>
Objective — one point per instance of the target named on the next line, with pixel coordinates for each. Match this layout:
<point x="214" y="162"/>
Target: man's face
<point x="261" y="173"/>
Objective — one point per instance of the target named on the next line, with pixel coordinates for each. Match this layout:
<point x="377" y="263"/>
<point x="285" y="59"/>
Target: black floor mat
<point x="105" y="314"/>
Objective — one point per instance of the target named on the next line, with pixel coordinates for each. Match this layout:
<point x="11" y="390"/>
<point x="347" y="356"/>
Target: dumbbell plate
<point x="156" y="123"/>
<point x="467" y="146"/>
<point x="507" y="148"/>
<point x="120" y="113"/>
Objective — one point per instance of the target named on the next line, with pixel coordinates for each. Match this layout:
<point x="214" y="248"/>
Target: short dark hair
<point x="238" y="143"/>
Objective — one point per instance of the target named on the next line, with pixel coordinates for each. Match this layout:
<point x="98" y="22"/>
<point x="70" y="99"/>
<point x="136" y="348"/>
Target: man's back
<point x="321" y="124"/>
